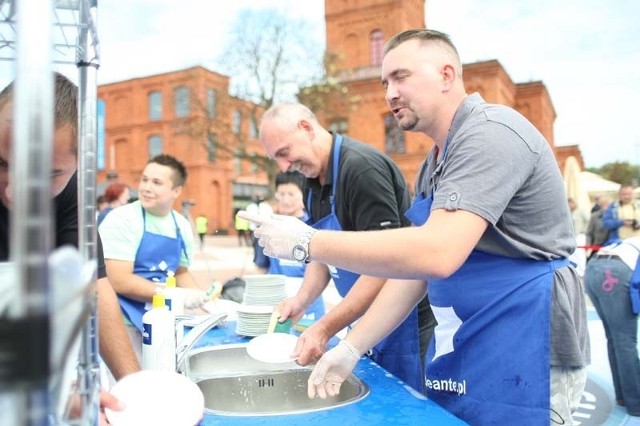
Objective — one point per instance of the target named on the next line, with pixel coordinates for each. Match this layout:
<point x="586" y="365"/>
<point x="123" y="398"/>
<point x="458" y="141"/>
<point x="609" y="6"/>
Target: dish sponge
<point x="278" y="327"/>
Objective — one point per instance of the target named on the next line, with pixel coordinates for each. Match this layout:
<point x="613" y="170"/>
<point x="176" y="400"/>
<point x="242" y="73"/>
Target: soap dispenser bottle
<point x="175" y="302"/>
<point x="158" y="337"/>
<point x="173" y="298"/>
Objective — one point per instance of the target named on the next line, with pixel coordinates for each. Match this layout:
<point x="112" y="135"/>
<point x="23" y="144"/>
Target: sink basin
<point x="272" y="393"/>
<point x="227" y="360"/>
<point x="234" y="384"/>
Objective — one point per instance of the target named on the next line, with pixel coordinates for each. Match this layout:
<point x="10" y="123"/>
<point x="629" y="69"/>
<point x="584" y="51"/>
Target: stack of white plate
<point x="264" y="290"/>
<point x="253" y="320"/>
<point x="261" y="294"/>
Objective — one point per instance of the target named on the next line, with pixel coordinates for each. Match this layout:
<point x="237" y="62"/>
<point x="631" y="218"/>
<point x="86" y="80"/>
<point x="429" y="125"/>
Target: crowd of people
<point x="439" y="288"/>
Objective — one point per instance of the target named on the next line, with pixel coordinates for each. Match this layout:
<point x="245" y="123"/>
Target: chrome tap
<point x="186" y="343"/>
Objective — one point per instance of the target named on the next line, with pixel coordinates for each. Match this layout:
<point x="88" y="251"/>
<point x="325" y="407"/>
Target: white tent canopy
<point x="597" y="185"/>
<point x="574" y="186"/>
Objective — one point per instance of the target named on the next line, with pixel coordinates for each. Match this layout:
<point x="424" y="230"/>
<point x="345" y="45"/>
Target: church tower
<point x="357" y="29"/>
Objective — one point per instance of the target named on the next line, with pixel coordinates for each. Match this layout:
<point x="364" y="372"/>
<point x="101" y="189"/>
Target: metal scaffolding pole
<point x="88" y="64"/>
<point x="35" y="34"/>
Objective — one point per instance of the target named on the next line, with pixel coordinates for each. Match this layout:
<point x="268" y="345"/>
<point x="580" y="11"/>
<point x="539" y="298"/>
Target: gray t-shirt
<point x="498" y="166"/>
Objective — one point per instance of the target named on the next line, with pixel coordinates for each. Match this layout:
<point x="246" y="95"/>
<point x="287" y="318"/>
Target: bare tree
<point x="270" y="58"/>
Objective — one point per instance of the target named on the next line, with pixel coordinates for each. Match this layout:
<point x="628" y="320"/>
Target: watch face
<point x="299" y="253"/>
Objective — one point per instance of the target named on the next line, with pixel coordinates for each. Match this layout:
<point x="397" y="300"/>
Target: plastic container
<point x="159" y="337"/>
<point x="175" y="302"/>
<point x="173" y="298"/>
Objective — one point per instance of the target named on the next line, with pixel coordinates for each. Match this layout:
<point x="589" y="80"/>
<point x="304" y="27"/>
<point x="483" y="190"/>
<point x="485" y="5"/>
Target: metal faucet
<point x="187" y="342"/>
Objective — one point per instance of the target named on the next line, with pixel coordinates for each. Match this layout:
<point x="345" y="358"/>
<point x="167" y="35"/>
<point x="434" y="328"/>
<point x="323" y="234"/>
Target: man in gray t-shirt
<point x="492" y="236"/>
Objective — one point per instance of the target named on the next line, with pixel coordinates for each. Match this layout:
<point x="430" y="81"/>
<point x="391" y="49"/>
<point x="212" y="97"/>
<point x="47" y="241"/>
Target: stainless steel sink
<point x="227" y="360"/>
<point x="235" y="384"/>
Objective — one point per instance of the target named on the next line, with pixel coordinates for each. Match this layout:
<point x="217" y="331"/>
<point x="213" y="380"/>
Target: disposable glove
<point x="333" y="368"/>
<point x="192" y="298"/>
<point x="277" y="234"/>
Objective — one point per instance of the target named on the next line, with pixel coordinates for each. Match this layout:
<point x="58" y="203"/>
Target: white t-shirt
<point x="122" y="230"/>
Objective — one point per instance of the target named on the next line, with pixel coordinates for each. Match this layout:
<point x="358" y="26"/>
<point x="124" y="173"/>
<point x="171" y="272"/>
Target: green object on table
<point x="283" y="327"/>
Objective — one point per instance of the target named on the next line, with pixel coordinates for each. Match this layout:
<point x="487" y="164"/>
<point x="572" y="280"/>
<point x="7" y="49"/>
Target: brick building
<point x="180" y="112"/>
<point x="187" y="114"/>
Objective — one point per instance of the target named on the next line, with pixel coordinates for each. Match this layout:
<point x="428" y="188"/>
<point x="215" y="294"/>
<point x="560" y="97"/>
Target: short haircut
<point x="295" y="178"/>
<point x="179" y="171"/>
<point x="287" y="115"/>
<point x="65" y="104"/>
<point x="424" y="35"/>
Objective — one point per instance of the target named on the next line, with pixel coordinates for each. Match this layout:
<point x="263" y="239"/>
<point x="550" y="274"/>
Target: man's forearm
<point x="354" y="304"/>
<point x="394" y="302"/>
<point x="185" y="279"/>
<point x="316" y="278"/>
<point x="115" y="345"/>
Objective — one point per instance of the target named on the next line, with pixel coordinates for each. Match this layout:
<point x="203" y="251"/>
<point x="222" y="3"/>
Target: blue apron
<point x="398" y="353"/>
<point x="156" y="255"/>
<point x="488" y="362"/>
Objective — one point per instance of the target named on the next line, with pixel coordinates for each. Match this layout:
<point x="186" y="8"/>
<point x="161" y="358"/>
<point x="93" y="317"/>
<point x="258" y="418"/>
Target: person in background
<point x="597" y="234"/>
<point x="613" y="283"/>
<point x="289" y="189"/>
<point x="622" y="217"/>
<point x="146" y="240"/>
<point x="242" y="228"/>
<point x="579" y="217"/>
<point x="492" y="245"/>
<point x="202" y="223"/>
<point x="115" y="348"/>
<point x="262" y="207"/>
<point x="350" y="187"/>
<point x="117" y="194"/>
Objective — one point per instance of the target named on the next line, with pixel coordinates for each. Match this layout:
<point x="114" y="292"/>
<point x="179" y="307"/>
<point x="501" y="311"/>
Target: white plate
<point x="274" y="348"/>
<point x="255" y="309"/>
<point x="157" y="398"/>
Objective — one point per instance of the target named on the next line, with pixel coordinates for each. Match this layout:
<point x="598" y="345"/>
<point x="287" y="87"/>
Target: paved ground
<point x="222" y="259"/>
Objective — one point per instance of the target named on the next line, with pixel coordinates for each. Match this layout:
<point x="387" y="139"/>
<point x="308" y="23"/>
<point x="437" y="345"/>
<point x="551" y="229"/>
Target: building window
<point x="339" y="125"/>
<point x="211" y="102"/>
<point x="155" y="145"/>
<point x="237" y="122"/>
<point x="181" y="100"/>
<point x="376" y="40"/>
<point x="393" y="136"/>
<point x="155" y="106"/>
<point x="212" y="147"/>
<point x="253" y="128"/>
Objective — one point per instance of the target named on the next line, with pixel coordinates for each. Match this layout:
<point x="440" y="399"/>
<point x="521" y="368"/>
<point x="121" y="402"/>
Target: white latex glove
<point x="333" y="368"/>
<point x="192" y="298"/>
<point x="277" y="233"/>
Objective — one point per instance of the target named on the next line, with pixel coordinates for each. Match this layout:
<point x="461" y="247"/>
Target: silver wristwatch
<point x="301" y="249"/>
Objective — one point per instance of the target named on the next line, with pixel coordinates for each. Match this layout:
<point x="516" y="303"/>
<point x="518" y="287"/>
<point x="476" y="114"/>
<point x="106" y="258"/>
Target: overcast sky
<point x="587" y="52"/>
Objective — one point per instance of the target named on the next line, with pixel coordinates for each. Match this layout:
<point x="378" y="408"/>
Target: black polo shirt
<point x="66" y="223"/>
<point x="371" y="193"/>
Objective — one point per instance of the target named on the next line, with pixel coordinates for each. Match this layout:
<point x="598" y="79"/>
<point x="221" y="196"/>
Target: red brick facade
<point x="356" y="30"/>
<point x="212" y="178"/>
